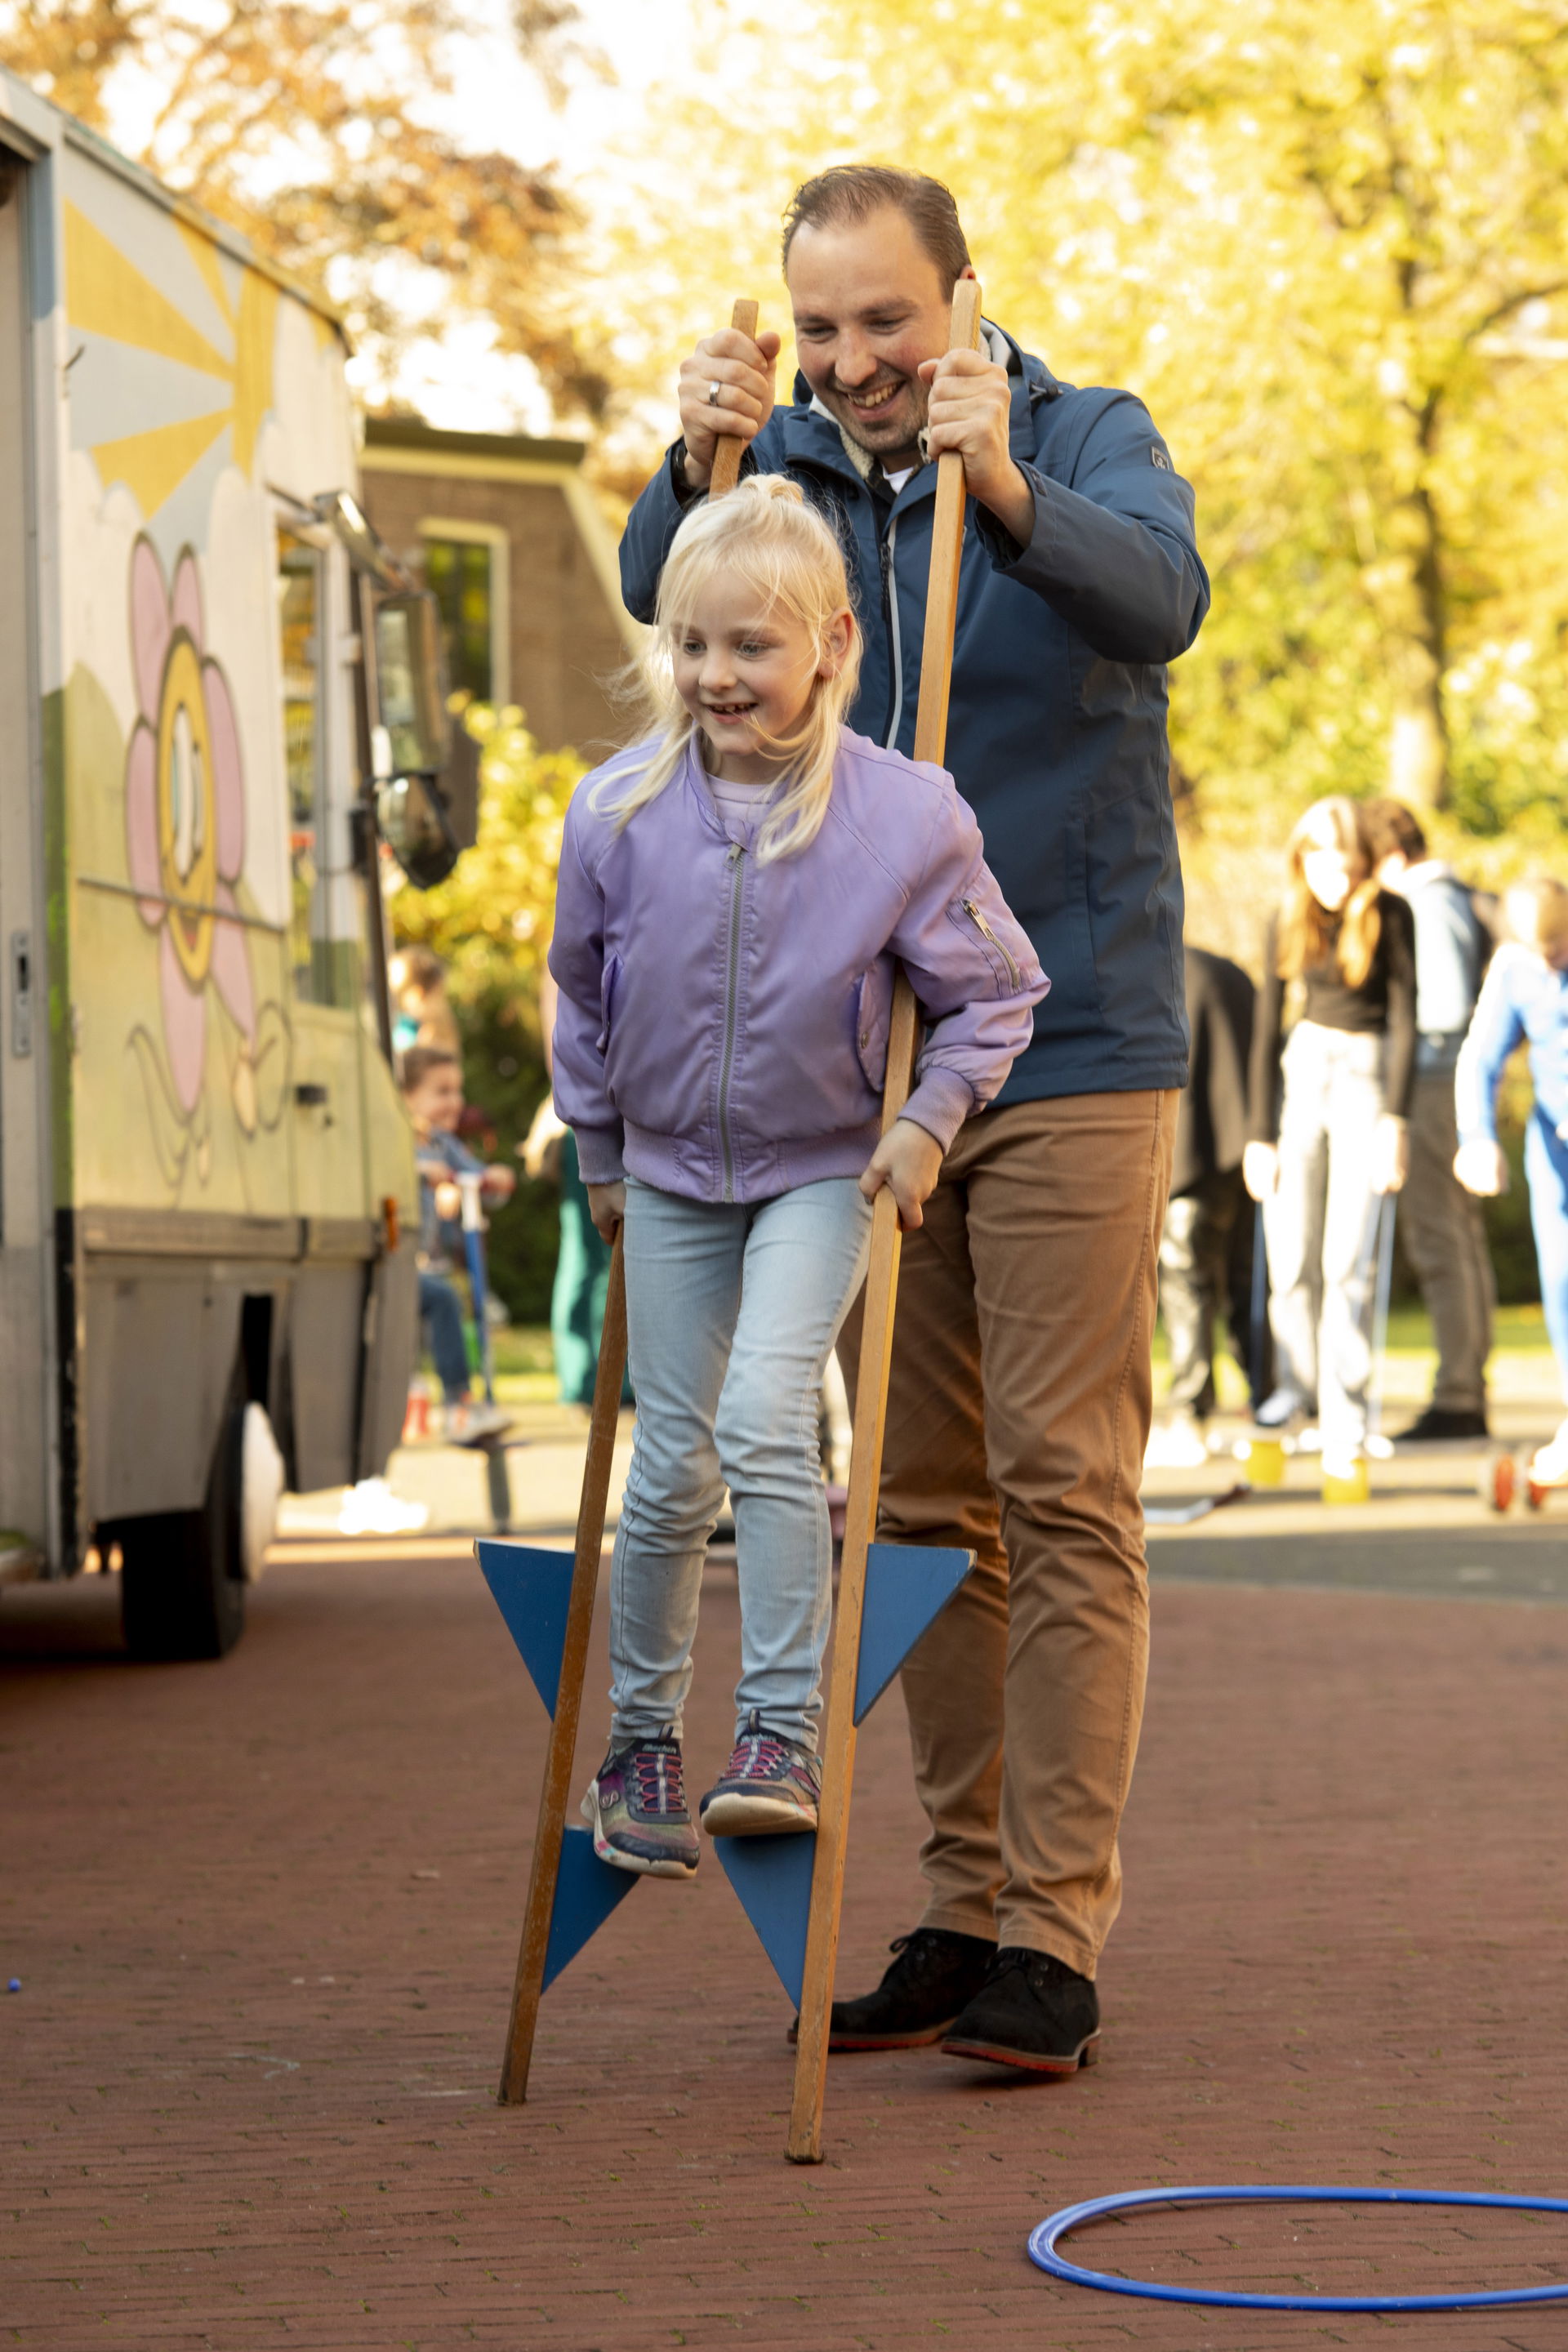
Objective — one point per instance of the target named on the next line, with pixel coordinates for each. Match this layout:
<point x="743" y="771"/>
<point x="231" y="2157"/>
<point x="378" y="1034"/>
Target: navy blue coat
<point x="1057" y="732"/>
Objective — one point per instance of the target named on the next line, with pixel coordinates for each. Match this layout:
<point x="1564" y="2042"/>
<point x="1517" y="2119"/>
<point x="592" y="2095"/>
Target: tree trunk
<point x="1418" y="739"/>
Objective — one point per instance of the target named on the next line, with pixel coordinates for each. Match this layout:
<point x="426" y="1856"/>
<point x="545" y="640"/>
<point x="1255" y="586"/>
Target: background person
<point x="421" y="1015"/>
<point x="1021" y="1389"/>
<point x="1444" y="1231"/>
<point x="1525" y="995"/>
<point x="733" y="895"/>
<point x="1327" y="1117"/>
<point x="1207" y="1246"/>
<point x="433" y="1090"/>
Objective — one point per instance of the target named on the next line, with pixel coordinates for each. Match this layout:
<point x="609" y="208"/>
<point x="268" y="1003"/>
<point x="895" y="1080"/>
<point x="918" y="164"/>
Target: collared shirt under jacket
<point x="1057" y="732"/>
<point x="722" y="1026"/>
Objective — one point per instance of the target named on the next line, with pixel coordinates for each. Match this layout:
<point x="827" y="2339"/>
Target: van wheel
<point x="182" y="1593"/>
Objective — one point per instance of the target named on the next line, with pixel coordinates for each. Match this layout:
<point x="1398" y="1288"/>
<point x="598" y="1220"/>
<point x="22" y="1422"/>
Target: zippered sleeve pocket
<point x="971" y="917"/>
<point x="873" y="1018"/>
<point x="607" y="982"/>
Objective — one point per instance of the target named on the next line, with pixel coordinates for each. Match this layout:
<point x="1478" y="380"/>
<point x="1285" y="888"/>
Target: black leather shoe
<point x="933" y="1973"/>
<point x="1033" y="2011"/>
<point x="1435" y="1422"/>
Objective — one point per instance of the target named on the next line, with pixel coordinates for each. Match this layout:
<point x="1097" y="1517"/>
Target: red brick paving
<point x="248" y="2080"/>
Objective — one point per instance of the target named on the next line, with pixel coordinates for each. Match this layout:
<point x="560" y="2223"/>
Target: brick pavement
<point x="265" y="1914"/>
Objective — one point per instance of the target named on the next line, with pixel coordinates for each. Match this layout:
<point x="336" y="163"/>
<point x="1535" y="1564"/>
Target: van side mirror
<point x="410" y="684"/>
<point x="412" y="818"/>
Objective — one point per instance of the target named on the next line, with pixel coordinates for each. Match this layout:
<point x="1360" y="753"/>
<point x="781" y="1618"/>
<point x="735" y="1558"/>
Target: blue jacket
<point x="1057" y="733"/>
<point x="1521" y="997"/>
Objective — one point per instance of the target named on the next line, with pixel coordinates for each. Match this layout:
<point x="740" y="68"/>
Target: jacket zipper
<point x="737" y="864"/>
<point x="890" y="613"/>
<point x="984" y="928"/>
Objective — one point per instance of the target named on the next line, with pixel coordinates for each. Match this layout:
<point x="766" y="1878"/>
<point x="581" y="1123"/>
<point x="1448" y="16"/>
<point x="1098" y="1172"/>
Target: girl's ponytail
<point x="767" y="533"/>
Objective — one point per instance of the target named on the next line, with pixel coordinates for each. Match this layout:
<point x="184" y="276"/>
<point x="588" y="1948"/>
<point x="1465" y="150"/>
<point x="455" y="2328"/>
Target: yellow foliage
<point x="490" y="920"/>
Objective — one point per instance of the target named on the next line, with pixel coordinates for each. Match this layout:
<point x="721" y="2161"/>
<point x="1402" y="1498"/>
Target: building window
<point x="459" y="577"/>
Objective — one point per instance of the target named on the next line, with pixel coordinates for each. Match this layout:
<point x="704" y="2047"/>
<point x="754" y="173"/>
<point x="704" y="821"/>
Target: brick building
<point x="505" y="532"/>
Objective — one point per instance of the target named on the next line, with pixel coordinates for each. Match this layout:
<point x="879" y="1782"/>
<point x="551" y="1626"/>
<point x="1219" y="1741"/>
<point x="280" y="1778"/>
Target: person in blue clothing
<point x="1021" y="1392"/>
<point x="432" y="1080"/>
<point x="1525" y="996"/>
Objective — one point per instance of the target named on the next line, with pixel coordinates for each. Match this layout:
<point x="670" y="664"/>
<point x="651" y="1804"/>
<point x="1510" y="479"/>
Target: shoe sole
<point x="841" y="2043"/>
<point x="995" y="2053"/>
<point x="753" y="1817"/>
<point x="619" y="1861"/>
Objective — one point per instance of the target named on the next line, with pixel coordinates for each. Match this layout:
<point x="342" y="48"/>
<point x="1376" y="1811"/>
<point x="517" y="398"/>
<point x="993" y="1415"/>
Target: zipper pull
<point x="737" y="851"/>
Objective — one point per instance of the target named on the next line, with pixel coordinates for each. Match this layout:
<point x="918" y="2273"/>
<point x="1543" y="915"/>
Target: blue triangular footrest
<point x="908" y="1586"/>
<point x="531" y="1590"/>
<point x="586" y="1891"/>
<point x="772" y="1875"/>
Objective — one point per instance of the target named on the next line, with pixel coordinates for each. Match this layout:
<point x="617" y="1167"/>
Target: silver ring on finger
<point x="714" y="389"/>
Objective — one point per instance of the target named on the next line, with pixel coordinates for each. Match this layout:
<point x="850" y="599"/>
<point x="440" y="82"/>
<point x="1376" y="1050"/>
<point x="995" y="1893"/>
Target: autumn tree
<point x="316" y="126"/>
<point x="1326" y="239"/>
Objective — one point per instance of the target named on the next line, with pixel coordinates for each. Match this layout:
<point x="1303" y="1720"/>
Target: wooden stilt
<point x="557" y="1792"/>
<point x="804" y="2145"/>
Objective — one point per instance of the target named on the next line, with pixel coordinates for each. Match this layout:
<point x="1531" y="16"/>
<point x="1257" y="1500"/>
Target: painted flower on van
<point x="185" y="827"/>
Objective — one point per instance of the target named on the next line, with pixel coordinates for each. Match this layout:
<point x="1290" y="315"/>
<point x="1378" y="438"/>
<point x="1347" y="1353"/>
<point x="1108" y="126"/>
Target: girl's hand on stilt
<point x="1260" y="1171"/>
<point x="1481" y="1168"/>
<point x="1390" y="1154"/>
<point x="607" y="1207"/>
<point x="908" y="1161"/>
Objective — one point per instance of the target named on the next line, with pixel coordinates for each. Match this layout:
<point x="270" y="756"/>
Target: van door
<point x="30" y="1404"/>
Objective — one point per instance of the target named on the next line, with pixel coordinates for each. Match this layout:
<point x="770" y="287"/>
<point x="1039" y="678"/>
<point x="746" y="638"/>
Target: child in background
<point x="1525" y="995"/>
<point x="433" y="1090"/>
<point x="734" y="894"/>
<point x="1321" y="1160"/>
<point x="420" y="1013"/>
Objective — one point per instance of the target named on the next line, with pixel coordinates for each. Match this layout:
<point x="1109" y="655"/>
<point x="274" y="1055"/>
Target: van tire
<point x="182" y="1591"/>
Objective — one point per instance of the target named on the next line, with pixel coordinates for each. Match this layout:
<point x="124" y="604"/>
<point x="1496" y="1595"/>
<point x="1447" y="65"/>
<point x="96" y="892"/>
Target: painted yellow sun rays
<point x="107" y="295"/>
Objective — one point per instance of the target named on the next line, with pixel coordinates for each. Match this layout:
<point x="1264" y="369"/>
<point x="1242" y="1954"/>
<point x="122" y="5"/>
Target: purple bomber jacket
<point x="722" y="1027"/>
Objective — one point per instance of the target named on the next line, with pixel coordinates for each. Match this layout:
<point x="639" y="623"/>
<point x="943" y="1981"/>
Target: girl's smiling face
<point x="745" y="669"/>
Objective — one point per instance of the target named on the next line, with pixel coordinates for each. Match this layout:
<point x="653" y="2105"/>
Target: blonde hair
<point x="1536" y="913"/>
<point x="1304" y="924"/>
<point x="765" y="533"/>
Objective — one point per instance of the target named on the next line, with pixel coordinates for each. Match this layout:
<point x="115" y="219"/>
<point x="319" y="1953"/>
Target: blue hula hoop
<point x="1044" y="2238"/>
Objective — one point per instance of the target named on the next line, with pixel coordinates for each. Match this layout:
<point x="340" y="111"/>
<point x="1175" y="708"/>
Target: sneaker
<point x="1279" y="1411"/>
<point x="1436" y="1423"/>
<point x="769" y="1786"/>
<point x="471" y="1423"/>
<point x="935" y="1972"/>
<point x="372" y="1508"/>
<point x="635" y="1807"/>
<point x="1178" y="1443"/>
<point x="1033" y="2011"/>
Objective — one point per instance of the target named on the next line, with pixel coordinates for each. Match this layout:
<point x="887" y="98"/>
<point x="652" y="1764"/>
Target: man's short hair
<point x="850" y="193"/>
<point x="418" y="1063"/>
<point x="1393" y="831"/>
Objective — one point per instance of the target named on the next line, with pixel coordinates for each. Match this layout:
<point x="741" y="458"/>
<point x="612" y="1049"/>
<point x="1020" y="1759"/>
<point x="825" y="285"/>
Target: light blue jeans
<point x="1321" y="1225"/>
<point x="732" y="1311"/>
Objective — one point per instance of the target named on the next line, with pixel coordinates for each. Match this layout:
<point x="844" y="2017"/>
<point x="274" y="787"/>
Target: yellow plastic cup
<point x="1347" y="1486"/>
<point x="1265" y="1460"/>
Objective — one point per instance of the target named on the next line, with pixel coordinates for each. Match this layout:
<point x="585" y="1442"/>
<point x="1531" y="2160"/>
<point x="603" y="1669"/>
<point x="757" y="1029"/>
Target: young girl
<point x="1525" y="995"/>
<point x="1320" y="1160"/>
<point x="734" y="894"/>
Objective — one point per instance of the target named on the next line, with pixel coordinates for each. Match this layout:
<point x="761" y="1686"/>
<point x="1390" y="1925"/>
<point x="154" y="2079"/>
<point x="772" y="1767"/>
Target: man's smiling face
<point x="870" y="305"/>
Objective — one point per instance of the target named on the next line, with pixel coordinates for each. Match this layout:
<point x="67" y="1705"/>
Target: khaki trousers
<point x="1018" y="1413"/>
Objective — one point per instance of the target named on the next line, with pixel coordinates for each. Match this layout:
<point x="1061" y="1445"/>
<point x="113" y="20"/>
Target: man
<point x="1208" y="1248"/>
<point x="1020" y="1399"/>
<point x="1445" y="1234"/>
